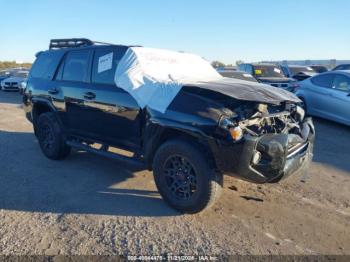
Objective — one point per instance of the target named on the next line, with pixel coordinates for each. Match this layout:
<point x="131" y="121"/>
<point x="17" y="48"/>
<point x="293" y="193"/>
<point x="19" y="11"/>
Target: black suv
<point x="245" y="129"/>
<point x="270" y="74"/>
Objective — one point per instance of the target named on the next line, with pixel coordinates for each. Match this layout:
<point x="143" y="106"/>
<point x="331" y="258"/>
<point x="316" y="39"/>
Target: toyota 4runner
<point x="212" y="127"/>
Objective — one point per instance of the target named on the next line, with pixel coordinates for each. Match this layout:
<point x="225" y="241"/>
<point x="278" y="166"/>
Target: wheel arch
<point x="158" y="135"/>
<point x="40" y="107"/>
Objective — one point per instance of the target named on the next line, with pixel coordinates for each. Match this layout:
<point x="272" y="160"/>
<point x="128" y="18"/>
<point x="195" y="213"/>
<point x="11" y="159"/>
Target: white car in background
<point x="15" y="82"/>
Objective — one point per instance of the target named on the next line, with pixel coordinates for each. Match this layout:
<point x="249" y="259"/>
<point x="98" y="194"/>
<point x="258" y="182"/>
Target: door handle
<point x="53" y="91"/>
<point x="89" y="95"/>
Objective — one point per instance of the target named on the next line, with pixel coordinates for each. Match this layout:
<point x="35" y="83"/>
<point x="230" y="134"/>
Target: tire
<point x="50" y="137"/>
<point x="185" y="178"/>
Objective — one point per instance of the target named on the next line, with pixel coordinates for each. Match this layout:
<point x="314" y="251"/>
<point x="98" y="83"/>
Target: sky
<point x="225" y="30"/>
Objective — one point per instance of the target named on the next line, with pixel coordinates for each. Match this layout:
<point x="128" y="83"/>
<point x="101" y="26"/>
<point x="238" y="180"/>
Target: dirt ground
<point x="87" y="204"/>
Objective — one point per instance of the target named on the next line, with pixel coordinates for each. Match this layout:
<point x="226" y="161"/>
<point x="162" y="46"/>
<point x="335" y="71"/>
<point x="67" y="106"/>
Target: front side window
<point x="105" y="64"/>
<point x="76" y="66"/>
<point x="323" y="80"/>
<point x="341" y="83"/>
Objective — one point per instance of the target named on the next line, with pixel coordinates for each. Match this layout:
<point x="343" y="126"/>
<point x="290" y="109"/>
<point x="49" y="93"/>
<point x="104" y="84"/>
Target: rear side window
<point x="76" y="66"/>
<point x="105" y="63"/>
<point x="341" y="83"/>
<point x="46" y="64"/>
<point x="323" y="80"/>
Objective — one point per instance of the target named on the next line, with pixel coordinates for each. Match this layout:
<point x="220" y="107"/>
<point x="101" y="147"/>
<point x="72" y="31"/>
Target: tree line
<point x="13" y="64"/>
<point x="217" y="64"/>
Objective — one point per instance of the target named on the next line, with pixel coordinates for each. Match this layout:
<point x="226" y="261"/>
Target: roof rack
<point x="69" y="42"/>
<point x="72" y="42"/>
<point x="76" y="42"/>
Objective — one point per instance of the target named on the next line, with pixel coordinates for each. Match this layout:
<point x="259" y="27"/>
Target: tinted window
<point x="249" y="69"/>
<point x="342" y="67"/>
<point x="46" y="64"/>
<point x="105" y="64"/>
<point x="76" y="66"/>
<point x="342" y="83"/>
<point x="323" y="80"/>
<point x="285" y="70"/>
<point x="242" y="67"/>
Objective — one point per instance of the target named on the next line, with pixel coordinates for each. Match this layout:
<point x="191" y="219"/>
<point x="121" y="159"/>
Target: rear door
<point x="114" y="115"/>
<point x="318" y="94"/>
<point x="72" y="82"/>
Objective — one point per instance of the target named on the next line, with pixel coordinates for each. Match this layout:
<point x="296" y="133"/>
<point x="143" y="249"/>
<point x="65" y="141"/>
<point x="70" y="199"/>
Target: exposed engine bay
<point x="269" y="119"/>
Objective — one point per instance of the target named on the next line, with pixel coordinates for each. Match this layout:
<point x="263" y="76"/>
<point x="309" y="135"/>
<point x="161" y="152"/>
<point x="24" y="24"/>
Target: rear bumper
<point x="268" y="158"/>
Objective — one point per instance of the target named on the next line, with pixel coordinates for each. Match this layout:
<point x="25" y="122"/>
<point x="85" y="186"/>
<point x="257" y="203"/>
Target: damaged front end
<point x="264" y="143"/>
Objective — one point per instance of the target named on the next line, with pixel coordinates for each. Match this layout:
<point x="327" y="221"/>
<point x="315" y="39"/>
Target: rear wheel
<point x="51" y="138"/>
<point x="184" y="177"/>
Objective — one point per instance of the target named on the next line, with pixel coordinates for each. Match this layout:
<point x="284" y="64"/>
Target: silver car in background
<point x="15" y="82"/>
<point x="327" y="96"/>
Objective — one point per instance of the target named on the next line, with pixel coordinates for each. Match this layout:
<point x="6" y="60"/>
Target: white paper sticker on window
<point x="277" y="70"/>
<point x="105" y="63"/>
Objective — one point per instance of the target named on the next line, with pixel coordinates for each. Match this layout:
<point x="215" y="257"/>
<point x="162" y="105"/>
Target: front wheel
<point x="185" y="178"/>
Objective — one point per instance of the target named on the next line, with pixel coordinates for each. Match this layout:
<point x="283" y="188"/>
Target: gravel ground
<point x="91" y="205"/>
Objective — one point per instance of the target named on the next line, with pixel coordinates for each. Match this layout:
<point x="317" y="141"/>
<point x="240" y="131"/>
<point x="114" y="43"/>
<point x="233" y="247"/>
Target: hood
<point x="275" y="79"/>
<point x="14" y="79"/>
<point x="247" y="91"/>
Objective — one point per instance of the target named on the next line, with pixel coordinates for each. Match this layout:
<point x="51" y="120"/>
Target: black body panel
<point x="102" y="112"/>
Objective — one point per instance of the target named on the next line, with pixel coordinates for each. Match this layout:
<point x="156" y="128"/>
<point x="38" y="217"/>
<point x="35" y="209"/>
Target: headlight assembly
<point x="234" y="130"/>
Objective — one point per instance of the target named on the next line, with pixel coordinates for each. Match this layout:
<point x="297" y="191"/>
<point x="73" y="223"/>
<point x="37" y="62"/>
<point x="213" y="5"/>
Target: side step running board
<point x="134" y="162"/>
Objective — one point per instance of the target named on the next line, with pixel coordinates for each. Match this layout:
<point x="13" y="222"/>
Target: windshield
<point x="22" y="74"/>
<point x="267" y="71"/>
<point x="4" y="73"/>
<point x="296" y="70"/>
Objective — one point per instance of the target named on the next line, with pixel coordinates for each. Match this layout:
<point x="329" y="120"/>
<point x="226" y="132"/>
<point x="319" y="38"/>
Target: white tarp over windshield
<point x="154" y="76"/>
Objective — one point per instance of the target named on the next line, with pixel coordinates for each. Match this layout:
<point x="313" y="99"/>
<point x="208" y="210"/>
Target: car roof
<point x="342" y="72"/>
<point x="259" y="64"/>
<point x="297" y="66"/>
<point x="84" y="48"/>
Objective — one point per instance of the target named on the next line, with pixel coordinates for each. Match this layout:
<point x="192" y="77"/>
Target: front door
<point x="113" y="115"/>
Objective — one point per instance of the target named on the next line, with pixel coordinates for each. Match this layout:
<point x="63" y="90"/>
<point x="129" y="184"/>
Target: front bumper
<point x="279" y="155"/>
<point x="10" y="87"/>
